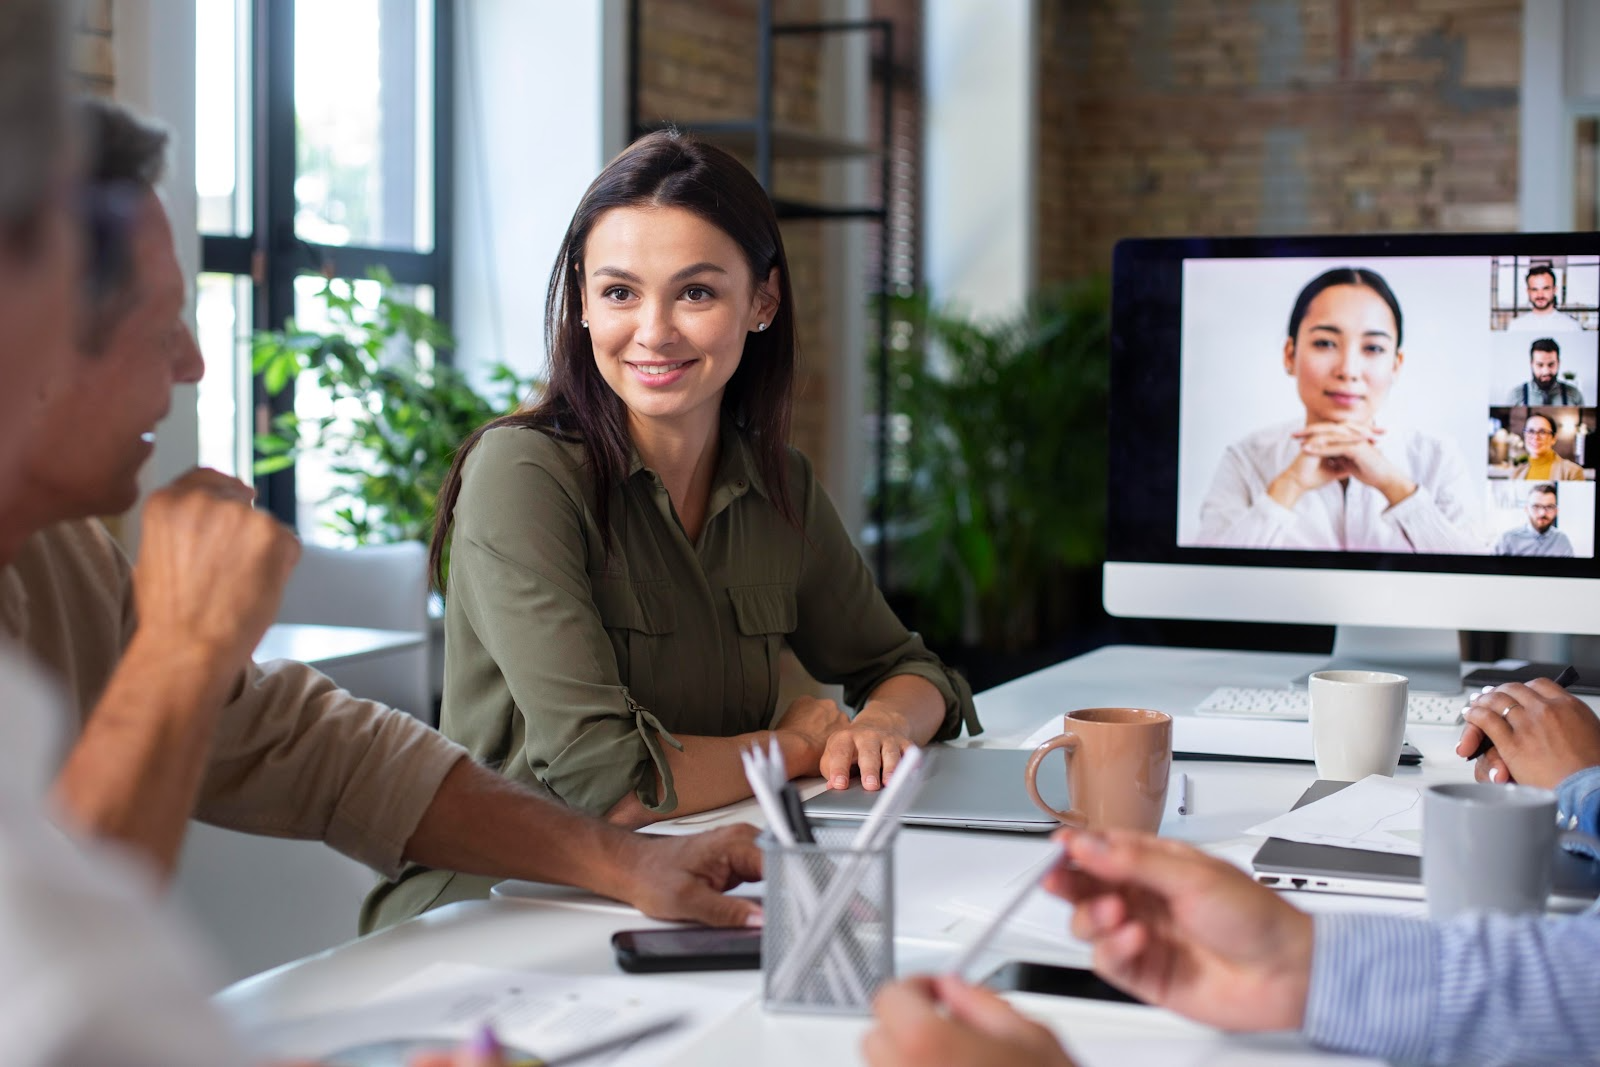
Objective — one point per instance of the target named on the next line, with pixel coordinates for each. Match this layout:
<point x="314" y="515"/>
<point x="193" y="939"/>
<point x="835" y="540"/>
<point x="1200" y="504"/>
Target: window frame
<point x="273" y="256"/>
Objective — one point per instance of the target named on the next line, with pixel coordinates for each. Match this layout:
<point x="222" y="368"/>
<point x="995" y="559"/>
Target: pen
<point x="795" y="809"/>
<point x="981" y="942"/>
<point x="1567" y="676"/>
<point x="1183" y="794"/>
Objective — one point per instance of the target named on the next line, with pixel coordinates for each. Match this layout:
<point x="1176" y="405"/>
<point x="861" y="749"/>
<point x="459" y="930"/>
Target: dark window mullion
<point x="443" y="159"/>
<point x="274" y="135"/>
<point x="353" y="261"/>
<point x="225" y="255"/>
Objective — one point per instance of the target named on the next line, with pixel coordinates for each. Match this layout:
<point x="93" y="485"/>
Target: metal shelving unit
<point x="765" y="141"/>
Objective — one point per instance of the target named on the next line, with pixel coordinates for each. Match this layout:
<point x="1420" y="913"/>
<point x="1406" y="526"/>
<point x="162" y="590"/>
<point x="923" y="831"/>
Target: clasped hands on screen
<point x="1330" y="451"/>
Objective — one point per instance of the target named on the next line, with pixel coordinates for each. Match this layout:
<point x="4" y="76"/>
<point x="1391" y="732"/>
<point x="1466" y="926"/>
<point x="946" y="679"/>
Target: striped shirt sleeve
<point x="1480" y="989"/>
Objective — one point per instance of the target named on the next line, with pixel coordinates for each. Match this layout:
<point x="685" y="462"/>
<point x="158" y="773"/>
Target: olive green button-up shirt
<point x="570" y="667"/>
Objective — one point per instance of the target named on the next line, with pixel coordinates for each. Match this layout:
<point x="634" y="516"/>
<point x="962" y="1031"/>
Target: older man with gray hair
<point x="174" y="719"/>
<point x="89" y="974"/>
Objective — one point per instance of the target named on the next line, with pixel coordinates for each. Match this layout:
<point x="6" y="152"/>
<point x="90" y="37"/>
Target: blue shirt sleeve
<point x="1479" y="989"/>
<point x="1578" y="805"/>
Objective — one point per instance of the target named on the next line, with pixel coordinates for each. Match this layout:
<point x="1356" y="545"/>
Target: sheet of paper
<point x="535" y="1015"/>
<point x="1377" y="814"/>
<point x="1041" y="915"/>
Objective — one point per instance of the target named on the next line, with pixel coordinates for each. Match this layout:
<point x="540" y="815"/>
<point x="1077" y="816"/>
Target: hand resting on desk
<point x="1541" y="734"/>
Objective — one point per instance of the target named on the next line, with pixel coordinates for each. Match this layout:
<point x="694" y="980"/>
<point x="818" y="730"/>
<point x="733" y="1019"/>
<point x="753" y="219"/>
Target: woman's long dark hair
<point x="663" y="169"/>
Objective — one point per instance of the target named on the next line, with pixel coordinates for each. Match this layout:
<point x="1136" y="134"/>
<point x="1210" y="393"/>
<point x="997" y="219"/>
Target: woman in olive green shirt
<point x="629" y="556"/>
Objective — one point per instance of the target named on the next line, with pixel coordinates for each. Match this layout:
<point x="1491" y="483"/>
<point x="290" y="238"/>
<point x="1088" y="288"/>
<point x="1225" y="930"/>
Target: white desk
<point x="328" y="646"/>
<point x="567" y="932"/>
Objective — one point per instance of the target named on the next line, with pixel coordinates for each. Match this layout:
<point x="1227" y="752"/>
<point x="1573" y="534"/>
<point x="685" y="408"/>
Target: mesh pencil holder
<point x="828" y="939"/>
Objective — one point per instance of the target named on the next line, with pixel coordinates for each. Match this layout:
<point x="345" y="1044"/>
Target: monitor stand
<point x="1430" y="659"/>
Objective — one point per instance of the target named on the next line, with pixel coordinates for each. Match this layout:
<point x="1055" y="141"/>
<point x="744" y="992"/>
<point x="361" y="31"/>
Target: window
<point x="322" y="150"/>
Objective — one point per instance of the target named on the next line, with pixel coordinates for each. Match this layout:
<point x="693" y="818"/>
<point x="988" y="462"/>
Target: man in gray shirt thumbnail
<point x="1539" y="537"/>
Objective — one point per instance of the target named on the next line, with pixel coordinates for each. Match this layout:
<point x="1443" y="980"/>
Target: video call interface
<point x="1430" y="405"/>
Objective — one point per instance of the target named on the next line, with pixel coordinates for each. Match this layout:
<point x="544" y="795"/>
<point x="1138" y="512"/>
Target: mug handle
<point x="1073" y="817"/>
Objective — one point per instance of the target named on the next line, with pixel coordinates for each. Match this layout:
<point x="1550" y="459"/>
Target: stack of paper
<point x="1377" y="813"/>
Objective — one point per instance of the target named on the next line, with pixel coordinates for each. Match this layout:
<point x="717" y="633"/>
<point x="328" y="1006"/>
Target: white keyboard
<point x="1249" y="702"/>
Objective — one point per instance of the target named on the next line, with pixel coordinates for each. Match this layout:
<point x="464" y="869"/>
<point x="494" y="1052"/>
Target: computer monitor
<point x="1387" y="434"/>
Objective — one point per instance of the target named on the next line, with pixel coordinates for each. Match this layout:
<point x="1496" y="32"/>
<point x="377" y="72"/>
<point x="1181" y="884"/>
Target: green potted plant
<point x="398" y="412"/>
<point x="998" y="468"/>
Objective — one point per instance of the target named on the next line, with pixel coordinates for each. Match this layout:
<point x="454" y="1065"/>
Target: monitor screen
<point x="1305" y="415"/>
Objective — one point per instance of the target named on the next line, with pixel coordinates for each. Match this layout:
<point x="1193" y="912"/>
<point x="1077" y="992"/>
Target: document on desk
<point x="1377" y="814"/>
<point x="548" y="1017"/>
<point x="1041" y="915"/>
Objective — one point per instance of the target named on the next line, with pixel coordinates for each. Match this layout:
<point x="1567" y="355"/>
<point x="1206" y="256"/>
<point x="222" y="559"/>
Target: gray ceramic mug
<point x="1489" y="847"/>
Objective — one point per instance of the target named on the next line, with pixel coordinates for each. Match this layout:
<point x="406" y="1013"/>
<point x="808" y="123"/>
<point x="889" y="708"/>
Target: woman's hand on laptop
<point x="1541" y="734"/>
<point x="903" y="711"/>
<point x="1186" y="931"/>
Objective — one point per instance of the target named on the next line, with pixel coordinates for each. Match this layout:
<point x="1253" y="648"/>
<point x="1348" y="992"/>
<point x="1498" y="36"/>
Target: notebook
<point x="1200" y="737"/>
<point x="965" y="788"/>
<point x="1329" y="869"/>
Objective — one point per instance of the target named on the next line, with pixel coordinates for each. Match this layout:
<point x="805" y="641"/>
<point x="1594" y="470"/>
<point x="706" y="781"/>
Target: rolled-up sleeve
<point x="296" y="756"/>
<point x="523" y="626"/>
<point x="847" y="632"/>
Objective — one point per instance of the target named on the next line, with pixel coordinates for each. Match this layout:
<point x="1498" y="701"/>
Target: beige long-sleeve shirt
<point x="294" y="755"/>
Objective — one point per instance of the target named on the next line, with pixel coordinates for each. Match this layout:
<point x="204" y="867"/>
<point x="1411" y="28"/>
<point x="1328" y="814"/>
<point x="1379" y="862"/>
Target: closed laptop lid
<point x="973" y="788"/>
<point x="1354" y="870"/>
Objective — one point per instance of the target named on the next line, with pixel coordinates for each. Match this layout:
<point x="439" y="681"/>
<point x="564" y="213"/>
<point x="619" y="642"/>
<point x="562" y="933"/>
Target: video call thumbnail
<point x="1342" y="405"/>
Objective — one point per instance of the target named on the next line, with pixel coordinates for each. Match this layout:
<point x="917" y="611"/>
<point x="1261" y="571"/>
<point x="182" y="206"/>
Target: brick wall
<point x="93" y="65"/>
<point x="1164" y="117"/>
<point x="698" y="63"/>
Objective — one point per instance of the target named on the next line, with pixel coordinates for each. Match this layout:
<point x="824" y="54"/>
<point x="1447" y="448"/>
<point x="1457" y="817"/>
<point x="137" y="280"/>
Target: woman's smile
<point x="660" y="375"/>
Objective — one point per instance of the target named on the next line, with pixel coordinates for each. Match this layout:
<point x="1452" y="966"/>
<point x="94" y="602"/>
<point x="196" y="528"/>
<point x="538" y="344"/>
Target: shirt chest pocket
<point x="764" y="615"/>
<point x="638" y="617"/>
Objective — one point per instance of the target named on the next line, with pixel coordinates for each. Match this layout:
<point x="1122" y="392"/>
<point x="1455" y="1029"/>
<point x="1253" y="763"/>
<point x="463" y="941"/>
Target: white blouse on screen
<point x="1442" y="516"/>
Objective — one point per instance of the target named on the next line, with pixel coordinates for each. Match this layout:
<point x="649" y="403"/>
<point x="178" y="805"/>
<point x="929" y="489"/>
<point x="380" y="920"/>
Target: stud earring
<point x="584" y="323"/>
<point x="761" y="327"/>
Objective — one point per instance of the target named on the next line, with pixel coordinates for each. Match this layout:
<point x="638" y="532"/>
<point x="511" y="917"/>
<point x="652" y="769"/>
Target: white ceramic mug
<point x="1358" y="723"/>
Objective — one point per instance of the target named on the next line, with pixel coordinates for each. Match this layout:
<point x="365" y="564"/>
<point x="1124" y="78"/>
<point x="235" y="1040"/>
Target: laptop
<point x="1329" y="869"/>
<point x="964" y="788"/>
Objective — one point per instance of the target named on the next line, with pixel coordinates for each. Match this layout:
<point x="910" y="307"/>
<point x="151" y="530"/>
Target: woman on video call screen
<point x="1340" y="475"/>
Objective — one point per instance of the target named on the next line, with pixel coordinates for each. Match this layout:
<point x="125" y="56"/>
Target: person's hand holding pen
<point x="1539" y="733"/>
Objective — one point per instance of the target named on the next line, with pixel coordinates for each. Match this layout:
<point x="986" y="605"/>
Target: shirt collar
<point x="737" y="470"/>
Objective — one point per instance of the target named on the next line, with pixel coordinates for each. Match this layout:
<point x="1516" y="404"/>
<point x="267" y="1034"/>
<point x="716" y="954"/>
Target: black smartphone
<point x="1020" y="976"/>
<point x="688" y="948"/>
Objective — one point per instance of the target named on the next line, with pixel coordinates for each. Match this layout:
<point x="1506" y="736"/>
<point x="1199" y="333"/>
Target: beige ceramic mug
<point x="1118" y="760"/>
